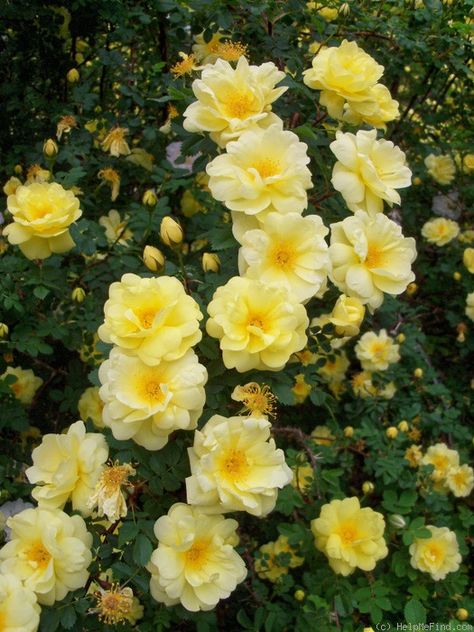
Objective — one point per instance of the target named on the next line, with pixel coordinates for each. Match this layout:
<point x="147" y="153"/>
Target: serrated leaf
<point x="414" y="612"/>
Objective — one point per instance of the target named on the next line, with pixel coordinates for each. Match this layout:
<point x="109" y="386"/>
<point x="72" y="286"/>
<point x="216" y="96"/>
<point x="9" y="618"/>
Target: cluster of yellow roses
<point x="448" y="475"/>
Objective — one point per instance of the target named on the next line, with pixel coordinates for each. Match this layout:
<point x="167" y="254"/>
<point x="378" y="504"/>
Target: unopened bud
<point x="8" y="357"/>
<point x="397" y="521"/>
<point x="412" y="288"/>
<point x="210" y="262"/>
<point x="50" y="148"/>
<point x="73" y="75"/>
<point x="344" y="9"/>
<point x="391" y="432"/>
<point x="368" y="487"/>
<point x="171" y="232"/>
<point x="401" y="338"/>
<point x="18" y="169"/>
<point x="348" y="431"/>
<point x="153" y="258"/>
<point x="457" y="276"/>
<point x="403" y="426"/>
<point x="149" y="198"/>
<point x="4" y="330"/>
<point x="78" y="294"/>
<point x="462" y="614"/>
<point x="418" y="373"/>
<point x="299" y="595"/>
<point x="417" y="181"/>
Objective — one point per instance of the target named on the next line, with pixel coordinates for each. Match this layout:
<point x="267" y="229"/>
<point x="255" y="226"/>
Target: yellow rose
<point x="235" y="466"/>
<point x="343" y="73"/>
<point x="362" y="385"/>
<point x="42" y="213"/>
<point x="370" y="257"/>
<point x="265" y="170"/>
<point x="443" y="459"/>
<point x="322" y="435"/>
<point x="67" y="467"/>
<point x="376" y="352"/>
<point x="289" y="251"/>
<point x="270" y="565"/>
<point x="232" y="100"/>
<point x="460" y="480"/>
<point x="258" y="326"/>
<point x="440" y="168"/>
<point x="437" y="555"/>
<point x="147" y="403"/>
<point x="115" y="142"/>
<point x="301" y="389"/>
<point x="18" y="607"/>
<point x="468" y="163"/>
<point x="377" y="111"/>
<point x="468" y="259"/>
<point x="413" y="455"/>
<point x="49" y="552"/>
<point x="335" y="367"/>
<point x="152" y="317"/>
<point x="469" y="311"/>
<point x="195" y="563"/>
<point x="347" y="316"/>
<point x="90" y="406"/>
<point x="206" y="52"/>
<point x="350" y="537"/>
<point x="11" y="185"/>
<point x="440" y="231"/>
<point x="116" y="229"/>
<point x="26" y="385"/>
<point x="368" y="171"/>
<point x="303" y="476"/>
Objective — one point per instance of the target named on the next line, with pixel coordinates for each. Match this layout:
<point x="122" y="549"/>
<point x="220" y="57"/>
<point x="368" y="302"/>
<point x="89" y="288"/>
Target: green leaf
<point x="142" y="550"/>
<point x="128" y="531"/>
<point x="68" y="617"/>
<point x="414" y="612"/>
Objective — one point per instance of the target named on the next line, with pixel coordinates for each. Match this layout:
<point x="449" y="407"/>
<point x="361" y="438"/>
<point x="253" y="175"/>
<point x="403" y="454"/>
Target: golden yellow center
<point x="114" y="606"/>
<point x="151" y="389"/>
<point x="267" y="167"/>
<point x="240" y="104"/>
<point x="196" y="556"/>
<point x="146" y="316"/>
<point x="374" y="258"/>
<point x="234" y="465"/>
<point x="256" y="320"/>
<point x="38" y="211"/>
<point x="434" y="553"/>
<point x="38" y="555"/>
<point x="16" y="388"/>
<point x="348" y="534"/>
<point x="282" y="256"/>
<point x="377" y="348"/>
<point x="114" y="477"/>
<point x="460" y="478"/>
<point x="440" y="462"/>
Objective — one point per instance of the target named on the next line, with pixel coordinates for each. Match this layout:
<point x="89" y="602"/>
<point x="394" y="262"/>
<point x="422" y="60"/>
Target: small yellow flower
<point x="116" y="229"/>
<point x="403" y="426"/>
<point x="50" y="148"/>
<point x="350" y="537"/>
<point x="460" y="480"/>
<point x="392" y="432"/>
<point x="335" y="367"/>
<point x="270" y="566"/>
<point x="65" y="125"/>
<point x="300" y="389"/>
<point x="186" y="66"/>
<point x="90" y="406"/>
<point x="206" y="52"/>
<point x="322" y="435"/>
<point x="440" y="168"/>
<point x="376" y="351"/>
<point x="348" y="432"/>
<point x="443" y="459"/>
<point x="437" y="555"/>
<point x="257" y="400"/>
<point x="108" y="496"/>
<point x="141" y="158"/>
<point x="26" y="385"/>
<point x="468" y="259"/>
<point x="440" y="231"/>
<point x="112" y="178"/>
<point x="115" y="142"/>
<point x="303" y="476"/>
<point x="11" y="185"/>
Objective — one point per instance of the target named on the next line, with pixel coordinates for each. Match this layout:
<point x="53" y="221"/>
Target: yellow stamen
<point x="234" y="465"/>
<point x="38" y="556"/>
<point x="267" y="167"/>
<point x="374" y="258"/>
<point x="196" y="556"/>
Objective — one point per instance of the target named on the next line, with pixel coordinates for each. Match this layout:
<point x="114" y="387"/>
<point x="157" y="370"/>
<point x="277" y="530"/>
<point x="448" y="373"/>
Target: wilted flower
<point x="112" y="178"/>
<point x="115" y="142"/>
<point x="66" y="124"/>
<point x="116" y="229"/>
<point x="108" y="496"/>
<point x="257" y="400"/>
